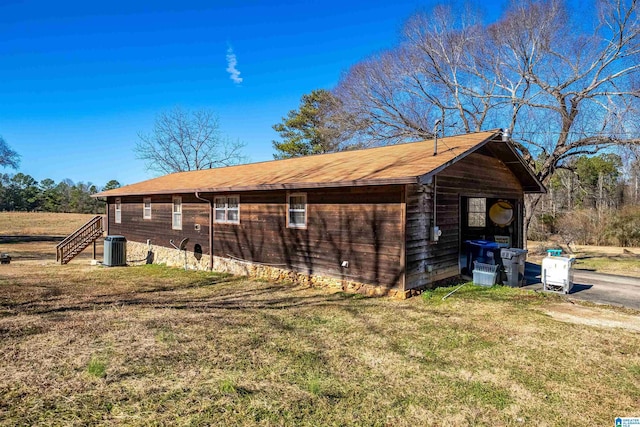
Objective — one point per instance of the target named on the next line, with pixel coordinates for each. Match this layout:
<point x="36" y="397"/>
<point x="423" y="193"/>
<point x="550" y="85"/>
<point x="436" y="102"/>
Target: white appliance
<point x="557" y="274"/>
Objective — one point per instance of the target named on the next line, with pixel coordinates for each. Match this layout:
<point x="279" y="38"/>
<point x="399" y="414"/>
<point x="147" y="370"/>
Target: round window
<point x="501" y="213"/>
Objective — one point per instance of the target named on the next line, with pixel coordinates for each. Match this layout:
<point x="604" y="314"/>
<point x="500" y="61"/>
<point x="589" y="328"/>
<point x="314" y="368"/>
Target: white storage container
<point x="484" y="274"/>
<point x="557" y="274"/>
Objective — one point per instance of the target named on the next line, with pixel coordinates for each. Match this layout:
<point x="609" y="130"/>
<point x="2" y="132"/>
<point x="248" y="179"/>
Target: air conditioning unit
<point x="115" y="251"/>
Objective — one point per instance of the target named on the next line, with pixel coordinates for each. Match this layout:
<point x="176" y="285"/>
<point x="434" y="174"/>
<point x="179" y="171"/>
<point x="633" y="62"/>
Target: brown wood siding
<point x="158" y="228"/>
<point x="419" y="251"/>
<point x="360" y="225"/>
<point x="476" y="175"/>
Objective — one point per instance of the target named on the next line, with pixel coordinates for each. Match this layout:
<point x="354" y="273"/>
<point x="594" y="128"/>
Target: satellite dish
<point x="183" y="244"/>
<point x="501" y="213"/>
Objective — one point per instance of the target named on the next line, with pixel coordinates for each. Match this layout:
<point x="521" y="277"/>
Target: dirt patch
<point x="593" y="316"/>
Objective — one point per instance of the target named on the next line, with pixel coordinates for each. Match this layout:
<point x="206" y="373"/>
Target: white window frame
<point x="176" y="215"/>
<point x="225" y="209"/>
<point x="146" y="210"/>
<point x="290" y="210"/>
<point x="475" y="214"/>
<point x="118" y="211"/>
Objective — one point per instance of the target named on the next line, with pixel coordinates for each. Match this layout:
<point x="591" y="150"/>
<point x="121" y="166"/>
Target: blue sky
<point x="80" y="80"/>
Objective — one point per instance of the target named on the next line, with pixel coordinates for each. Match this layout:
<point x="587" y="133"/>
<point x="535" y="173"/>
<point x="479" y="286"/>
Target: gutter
<point x="210" y="202"/>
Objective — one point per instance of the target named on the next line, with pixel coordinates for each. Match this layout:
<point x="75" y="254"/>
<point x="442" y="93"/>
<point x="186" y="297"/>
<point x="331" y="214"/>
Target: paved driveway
<point x="595" y="287"/>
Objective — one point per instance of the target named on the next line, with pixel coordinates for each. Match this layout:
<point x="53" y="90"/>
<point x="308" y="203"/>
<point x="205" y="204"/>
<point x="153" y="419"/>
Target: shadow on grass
<point x="202" y="294"/>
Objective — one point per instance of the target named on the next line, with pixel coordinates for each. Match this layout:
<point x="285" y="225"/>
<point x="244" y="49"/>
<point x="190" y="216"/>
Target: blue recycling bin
<point x="482" y="251"/>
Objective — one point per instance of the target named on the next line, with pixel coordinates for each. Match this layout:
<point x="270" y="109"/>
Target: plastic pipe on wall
<point x="210" y="202"/>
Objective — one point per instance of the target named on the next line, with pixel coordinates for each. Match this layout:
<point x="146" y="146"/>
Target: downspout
<point x="106" y="212"/>
<point x="435" y="230"/>
<point x="435" y="204"/>
<point x="210" y="229"/>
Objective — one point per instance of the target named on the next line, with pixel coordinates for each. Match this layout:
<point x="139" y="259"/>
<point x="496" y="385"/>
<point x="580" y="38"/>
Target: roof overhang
<point x="267" y="187"/>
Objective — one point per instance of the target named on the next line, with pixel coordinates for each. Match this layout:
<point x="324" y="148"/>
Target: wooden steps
<point x="78" y="241"/>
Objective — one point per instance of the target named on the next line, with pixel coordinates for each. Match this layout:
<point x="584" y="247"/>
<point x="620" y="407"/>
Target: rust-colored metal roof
<point x="394" y="164"/>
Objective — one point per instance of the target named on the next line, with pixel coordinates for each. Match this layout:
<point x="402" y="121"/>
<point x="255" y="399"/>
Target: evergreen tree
<point x="111" y="185"/>
<point x="308" y="129"/>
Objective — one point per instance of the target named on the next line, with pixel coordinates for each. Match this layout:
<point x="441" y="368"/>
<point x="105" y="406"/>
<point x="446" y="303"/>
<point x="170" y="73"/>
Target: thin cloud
<point x="232" y="62"/>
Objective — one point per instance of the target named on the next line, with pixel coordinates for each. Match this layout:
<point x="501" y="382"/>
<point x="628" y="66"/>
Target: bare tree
<point x="562" y="83"/>
<point x="187" y="140"/>
<point x="8" y="157"/>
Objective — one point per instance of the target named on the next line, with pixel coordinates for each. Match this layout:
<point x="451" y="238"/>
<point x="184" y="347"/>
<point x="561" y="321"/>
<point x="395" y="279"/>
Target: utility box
<point x="115" y="251"/>
<point x="557" y="274"/>
<point x="513" y="260"/>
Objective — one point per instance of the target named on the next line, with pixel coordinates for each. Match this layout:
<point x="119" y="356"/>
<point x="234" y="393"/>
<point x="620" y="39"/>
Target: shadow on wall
<point x="368" y="239"/>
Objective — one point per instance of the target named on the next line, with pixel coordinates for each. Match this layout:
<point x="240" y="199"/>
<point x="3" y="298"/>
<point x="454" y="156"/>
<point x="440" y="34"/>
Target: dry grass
<point x="150" y="345"/>
<point x="40" y="223"/>
<point x="83" y="345"/>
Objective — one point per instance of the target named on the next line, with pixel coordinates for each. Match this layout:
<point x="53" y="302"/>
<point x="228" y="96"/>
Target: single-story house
<point x="387" y="220"/>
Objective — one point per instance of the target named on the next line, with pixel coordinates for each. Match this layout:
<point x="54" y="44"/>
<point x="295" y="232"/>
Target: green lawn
<point x="150" y="345"/>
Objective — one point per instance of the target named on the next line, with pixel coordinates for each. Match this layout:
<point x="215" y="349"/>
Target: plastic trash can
<point x="513" y="260"/>
<point x="483" y="251"/>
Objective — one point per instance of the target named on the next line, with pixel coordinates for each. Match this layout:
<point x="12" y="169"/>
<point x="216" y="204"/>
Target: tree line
<point x="20" y="192"/>
<point x="595" y="200"/>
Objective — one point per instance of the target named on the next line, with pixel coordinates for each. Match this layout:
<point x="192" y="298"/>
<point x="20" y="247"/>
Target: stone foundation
<point x="141" y="253"/>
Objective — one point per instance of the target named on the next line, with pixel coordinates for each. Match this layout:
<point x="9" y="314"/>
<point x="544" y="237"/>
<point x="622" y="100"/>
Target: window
<point x="118" y="218"/>
<point x="477" y="210"/>
<point x="233" y="209"/>
<point x="227" y="209"/>
<point x="146" y="208"/>
<point x="176" y="218"/>
<point x="297" y="210"/>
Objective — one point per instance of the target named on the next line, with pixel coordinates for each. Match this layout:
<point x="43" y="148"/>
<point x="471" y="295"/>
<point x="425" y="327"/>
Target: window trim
<point x="289" y="210"/>
<point x="469" y="212"/>
<point x="225" y="209"/>
<point x="117" y="218"/>
<point x="174" y="225"/>
<point x="145" y="214"/>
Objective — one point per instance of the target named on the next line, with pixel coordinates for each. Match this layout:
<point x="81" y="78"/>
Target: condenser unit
<point x="115" y="251"/>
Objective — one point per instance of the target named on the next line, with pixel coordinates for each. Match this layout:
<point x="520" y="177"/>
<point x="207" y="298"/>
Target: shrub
<point x="624" y="227"/>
